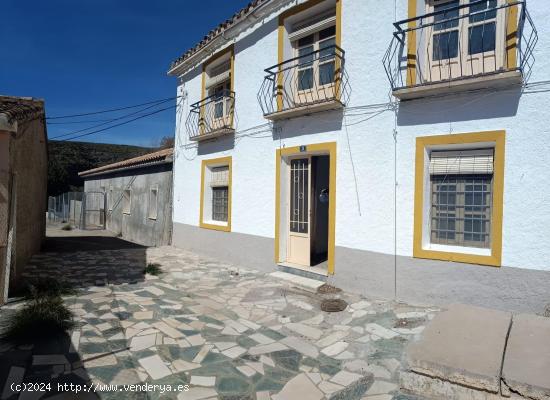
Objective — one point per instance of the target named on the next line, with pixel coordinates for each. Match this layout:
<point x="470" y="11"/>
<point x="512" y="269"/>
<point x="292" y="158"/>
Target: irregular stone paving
<point x="228" y="332"/>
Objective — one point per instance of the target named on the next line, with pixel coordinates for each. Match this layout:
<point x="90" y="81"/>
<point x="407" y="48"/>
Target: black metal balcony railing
<point x="212" y="116"/>
<point x="311" y="79"/>
<point x="461" y="41"/>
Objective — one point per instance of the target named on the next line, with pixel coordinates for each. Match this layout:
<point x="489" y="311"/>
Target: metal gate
<point x="93" y="210"/>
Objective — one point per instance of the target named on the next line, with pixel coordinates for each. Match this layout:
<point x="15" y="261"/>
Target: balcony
<point x="212" y="117"/>
<point x="461" y="47"/>
<point x="312" y="82"/>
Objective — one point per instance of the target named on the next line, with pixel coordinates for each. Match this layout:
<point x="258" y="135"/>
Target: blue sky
<point x="88" y="55"/>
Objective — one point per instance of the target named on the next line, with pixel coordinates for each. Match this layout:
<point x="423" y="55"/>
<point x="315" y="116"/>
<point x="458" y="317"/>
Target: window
<point x="110" y="199"/>
<point x="445" y="42"/>
<point x="153" y="203"/>
<point x="215" y="212"/>
<point x="482" y="30"/>
<point x="459" y="197"/>
<point x="126" y="201"/>
<point x="218" y="89"/>
<point x="316" y="68"/>
<point x="464" y="35"/>
<point x="461" y="186"/>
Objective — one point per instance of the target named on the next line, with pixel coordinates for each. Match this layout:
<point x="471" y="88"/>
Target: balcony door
<point x="314" y="79"/>
<point x="221" y="104"/>
<point x="465" y="42"/>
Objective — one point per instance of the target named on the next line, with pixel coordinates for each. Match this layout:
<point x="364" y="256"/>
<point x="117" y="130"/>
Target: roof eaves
<point x="217" y="31"/>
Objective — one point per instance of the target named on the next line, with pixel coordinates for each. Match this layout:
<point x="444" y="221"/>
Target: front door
<point x="299" y="209"/>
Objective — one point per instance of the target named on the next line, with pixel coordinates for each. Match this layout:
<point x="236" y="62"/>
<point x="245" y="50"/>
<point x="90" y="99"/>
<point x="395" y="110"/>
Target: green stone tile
<point x="232" y="385"/>
<point x="288" y="359"/>
<point x="271" y="333"/>
<point x="267" y="384"/>
<point x="246" y="342"/>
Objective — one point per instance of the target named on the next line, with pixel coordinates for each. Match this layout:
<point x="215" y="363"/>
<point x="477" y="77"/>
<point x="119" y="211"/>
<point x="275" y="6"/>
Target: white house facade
<point x="393" y="148"/>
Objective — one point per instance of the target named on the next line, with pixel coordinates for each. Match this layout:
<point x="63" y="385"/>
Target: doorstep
<point x="308" y="284"/>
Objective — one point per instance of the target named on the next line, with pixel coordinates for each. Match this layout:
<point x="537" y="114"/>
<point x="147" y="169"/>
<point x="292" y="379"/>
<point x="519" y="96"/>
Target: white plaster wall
<point x="365" y="163"/>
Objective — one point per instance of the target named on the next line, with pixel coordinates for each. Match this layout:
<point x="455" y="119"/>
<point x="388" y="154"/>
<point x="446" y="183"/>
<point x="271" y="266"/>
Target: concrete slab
<point x="464" y="345"/>
<point x="308" y="284"/>
<point x="527" y="361"/>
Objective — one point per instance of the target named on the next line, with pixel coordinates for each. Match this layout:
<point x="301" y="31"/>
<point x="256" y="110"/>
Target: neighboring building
<point x="355" y="138"/>
<point x="23" y="186"/>
<point x="132" y="198"/>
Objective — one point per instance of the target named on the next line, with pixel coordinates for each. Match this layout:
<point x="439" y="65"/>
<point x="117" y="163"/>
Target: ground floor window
<point x="153" y="203"/>
<point x="216" y="194"/>
<point x="461" y="210"/>
<point x="126" y="201"/>
<point x="459" y="196"/>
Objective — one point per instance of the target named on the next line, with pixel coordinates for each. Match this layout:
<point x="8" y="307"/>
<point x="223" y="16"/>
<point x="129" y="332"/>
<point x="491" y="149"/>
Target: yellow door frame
<point x="317" y="148"/>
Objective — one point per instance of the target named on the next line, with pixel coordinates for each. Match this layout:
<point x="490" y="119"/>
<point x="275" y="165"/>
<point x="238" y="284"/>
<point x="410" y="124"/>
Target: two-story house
<point x="390" y="147"/>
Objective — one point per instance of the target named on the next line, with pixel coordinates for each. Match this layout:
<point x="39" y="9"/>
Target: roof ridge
<point x="155" y="156"/>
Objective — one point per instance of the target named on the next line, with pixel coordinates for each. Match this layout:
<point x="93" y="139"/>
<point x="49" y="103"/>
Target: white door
<point x="299" y="209"/>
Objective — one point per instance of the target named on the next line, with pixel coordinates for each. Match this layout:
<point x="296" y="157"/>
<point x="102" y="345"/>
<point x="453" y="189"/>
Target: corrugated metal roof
<point x="237" y="17"/>
<point x="162" y="155"/>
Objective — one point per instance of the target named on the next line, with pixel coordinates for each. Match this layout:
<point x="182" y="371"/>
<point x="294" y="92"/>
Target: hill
<point x="67" y="159"/>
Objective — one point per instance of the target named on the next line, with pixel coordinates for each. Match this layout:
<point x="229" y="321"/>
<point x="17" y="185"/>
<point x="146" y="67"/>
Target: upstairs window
<point x="316" y="63"/>
<point x="218" y="87"/>
<point x="467" y="37"/>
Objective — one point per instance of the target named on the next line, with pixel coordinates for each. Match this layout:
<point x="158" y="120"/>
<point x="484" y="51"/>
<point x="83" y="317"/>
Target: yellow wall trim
<point x="204" y="164"/>
<point x="411" y="44"/>
<point x="496" y="137"/>
<point x="324" y="148"/>
<point x="511" y="34"/>
<point x="281" y="36"/>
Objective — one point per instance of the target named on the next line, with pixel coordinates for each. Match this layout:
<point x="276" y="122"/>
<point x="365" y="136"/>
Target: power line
<point x="110" y="120"/>
<point x="113" y="109"/>
<point x="121" y="123"/>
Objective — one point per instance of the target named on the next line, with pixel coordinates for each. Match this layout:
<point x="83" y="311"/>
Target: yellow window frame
<point x="220" y="161"/>
<point x="422" y="143"/>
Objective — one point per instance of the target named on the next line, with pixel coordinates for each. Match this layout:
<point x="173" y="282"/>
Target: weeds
<point x="153" y="269"/>
<point x="46" y="287"/>
<point x="39" y="319"/>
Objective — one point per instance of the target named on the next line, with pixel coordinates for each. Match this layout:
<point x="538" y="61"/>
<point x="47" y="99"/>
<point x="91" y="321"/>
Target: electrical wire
<point x="111" y="120"/>
<point x="113" y="109"/>
<point x="119" y="124"/>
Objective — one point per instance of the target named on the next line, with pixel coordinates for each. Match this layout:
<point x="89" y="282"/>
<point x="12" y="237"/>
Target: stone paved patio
<point x="228" y="332"/>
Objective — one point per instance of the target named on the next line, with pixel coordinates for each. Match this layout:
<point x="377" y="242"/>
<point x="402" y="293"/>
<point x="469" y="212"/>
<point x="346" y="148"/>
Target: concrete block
<point x="527" y="361"/>
<point x="463" y="345"/>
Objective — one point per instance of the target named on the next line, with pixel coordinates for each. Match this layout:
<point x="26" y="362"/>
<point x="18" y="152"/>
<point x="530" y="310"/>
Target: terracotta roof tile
<point x="237" y="17"/>
<point x="161" y="155"/>
<point x="21" y="109"/>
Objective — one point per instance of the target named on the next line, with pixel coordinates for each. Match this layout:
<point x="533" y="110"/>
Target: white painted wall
<point x="365" y="163"/>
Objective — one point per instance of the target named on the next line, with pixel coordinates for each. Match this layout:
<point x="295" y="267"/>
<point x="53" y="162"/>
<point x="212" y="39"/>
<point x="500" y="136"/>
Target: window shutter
<point x="219" y="176"/>
<point x="313" y="25"/>
<point x="461" y="162"/>
<point x="218" y="75"/>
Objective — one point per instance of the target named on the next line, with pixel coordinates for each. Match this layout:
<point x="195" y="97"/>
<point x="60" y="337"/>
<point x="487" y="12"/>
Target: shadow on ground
<point x="90" y="264"/>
